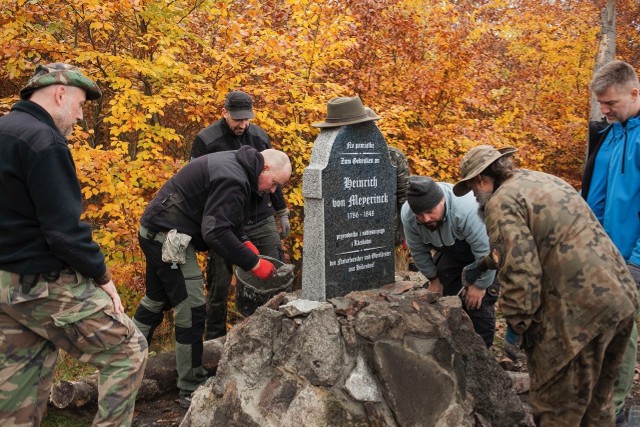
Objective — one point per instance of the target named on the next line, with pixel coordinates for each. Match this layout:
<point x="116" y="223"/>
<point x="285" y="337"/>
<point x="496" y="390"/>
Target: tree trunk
<point x="606" y="49"/>
<point x="160" y="376"/>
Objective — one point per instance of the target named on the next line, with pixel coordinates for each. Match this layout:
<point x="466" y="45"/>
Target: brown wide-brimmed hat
<point x="346" y="111"/>
<point x="475" y="162"/>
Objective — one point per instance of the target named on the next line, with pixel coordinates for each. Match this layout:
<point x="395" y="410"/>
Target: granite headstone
<point x="349" y="201"/>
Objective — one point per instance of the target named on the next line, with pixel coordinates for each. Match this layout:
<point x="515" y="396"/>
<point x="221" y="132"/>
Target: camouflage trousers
<point x="624" y="381"/>
<point x="72" y="314"/>
<point x="581" y="394"/>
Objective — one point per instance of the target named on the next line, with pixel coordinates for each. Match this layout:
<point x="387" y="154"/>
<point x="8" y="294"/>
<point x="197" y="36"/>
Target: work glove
<point x="265" y="270"/>
<point x="252" y="247"/>
<point x="285" y="227"/>
<point x="472" y="272"/>
<point x="635" y="272"/>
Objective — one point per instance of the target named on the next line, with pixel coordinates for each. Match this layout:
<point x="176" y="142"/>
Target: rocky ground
<point x="165" y="410"/>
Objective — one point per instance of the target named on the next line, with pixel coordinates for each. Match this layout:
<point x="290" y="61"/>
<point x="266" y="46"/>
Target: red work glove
<point x="252" y="247"/>
<point x="265" y="270"/>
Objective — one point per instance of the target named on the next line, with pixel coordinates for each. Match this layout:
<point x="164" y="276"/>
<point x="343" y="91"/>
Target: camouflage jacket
<point x="563" y="280"/>
<point x="399" y="161"/>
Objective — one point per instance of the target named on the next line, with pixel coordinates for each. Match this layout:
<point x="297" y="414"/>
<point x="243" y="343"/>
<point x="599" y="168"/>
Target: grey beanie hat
<point x="423" y="194"/>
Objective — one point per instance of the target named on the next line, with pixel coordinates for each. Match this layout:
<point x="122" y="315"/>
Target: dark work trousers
<point x="180" y="289"/>
<point x="266" y="238"/>
<point x="450" y="261"/>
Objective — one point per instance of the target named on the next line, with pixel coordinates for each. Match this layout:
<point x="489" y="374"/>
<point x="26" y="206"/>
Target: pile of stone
<point x="394" y="356"/>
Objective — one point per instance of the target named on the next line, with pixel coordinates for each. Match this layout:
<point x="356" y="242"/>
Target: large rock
<point x="395" y="356"/>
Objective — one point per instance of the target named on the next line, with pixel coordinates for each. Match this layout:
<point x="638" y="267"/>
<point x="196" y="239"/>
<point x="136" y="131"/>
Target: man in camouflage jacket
<point x="566" y="291"/>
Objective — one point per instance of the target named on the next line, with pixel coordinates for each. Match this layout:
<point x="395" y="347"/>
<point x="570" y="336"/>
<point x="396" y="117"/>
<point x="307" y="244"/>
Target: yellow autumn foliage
<point x="444" y="75"/>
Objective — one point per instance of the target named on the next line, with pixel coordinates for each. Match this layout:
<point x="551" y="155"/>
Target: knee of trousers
<point x="485" y="315"/>
<point x="148" y="317"/>
<point x="190" y="334"/>
<point x="153" y="306"/>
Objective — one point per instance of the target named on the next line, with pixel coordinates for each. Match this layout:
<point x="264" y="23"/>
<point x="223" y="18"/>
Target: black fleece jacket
<point x="209" y="199"/>
<point x="40" y="200"/>
<point x="219" y="137"/>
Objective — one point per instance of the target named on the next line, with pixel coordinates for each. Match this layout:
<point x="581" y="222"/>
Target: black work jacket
<point x="40" y="199"/>
<point x="219" y="137"/>
<point x="209" y="199"/>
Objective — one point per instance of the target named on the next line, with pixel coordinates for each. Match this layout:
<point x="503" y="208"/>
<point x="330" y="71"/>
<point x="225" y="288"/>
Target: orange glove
<point x="265" y="270"/>
<point x="252" y="247"/>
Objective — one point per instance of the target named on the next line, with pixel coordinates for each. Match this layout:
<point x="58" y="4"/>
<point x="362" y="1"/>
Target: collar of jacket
<point x="630" y="123"/>
<point x="252" y="162"/>
<point x="36" y="111"/>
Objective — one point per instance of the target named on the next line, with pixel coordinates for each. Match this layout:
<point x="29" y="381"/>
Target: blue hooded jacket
<point x="613" y="183"/>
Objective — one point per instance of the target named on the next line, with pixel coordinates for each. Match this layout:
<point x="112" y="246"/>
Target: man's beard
<point x="63" y="121"/>
<point x="433" y="225"/>
<point x="482" y="197"/>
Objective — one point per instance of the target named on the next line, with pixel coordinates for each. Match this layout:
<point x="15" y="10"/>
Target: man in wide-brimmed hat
<point x="565" y="289"/>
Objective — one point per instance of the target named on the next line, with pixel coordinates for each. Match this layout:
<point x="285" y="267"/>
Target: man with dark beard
<point x="435" y="220"/>
<point x="566" y="290"/>
<point x="232" y="131"/>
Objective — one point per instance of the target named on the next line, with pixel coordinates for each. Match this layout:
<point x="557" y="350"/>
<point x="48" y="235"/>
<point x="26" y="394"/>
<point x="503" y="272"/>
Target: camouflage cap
<point x="58" y="73"/>
<point x="475" y="161"/>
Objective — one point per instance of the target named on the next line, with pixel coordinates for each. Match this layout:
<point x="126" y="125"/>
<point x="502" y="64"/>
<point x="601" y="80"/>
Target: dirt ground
<point x="163" y="412"/>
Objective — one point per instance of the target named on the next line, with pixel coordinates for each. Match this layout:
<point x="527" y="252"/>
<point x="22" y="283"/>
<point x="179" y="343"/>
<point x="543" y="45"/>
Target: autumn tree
<point x="444" y="75"/>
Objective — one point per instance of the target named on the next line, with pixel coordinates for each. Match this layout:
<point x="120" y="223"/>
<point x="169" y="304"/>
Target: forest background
<point x="445" y="76"/>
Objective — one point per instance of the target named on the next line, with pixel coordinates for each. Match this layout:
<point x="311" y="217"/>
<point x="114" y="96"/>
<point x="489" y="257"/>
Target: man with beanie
<point x="56" y="291"/>
<point x="231" y="132"/>
<point x="434" y="220"/>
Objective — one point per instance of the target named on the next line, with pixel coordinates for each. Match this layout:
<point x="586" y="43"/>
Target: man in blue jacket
<point x="232" y="131"/>
<point x="435" y="220"/>
<point x="611" y="185"/>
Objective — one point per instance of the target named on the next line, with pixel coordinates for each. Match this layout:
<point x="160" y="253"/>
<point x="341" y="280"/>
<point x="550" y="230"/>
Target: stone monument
<point x="349" y="204"/>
